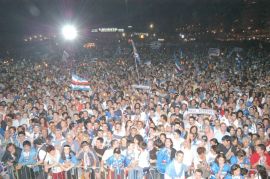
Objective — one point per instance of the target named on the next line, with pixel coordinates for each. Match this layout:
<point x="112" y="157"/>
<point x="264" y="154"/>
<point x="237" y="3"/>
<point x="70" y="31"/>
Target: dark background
<point x="19" y="18"/>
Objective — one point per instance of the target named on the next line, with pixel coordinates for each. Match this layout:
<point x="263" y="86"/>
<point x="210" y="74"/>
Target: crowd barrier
<point x="78" y="172"/>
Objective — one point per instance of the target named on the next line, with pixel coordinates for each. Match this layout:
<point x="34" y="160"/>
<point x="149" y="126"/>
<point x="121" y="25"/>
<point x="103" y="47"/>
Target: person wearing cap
<point x="116" y="164"/>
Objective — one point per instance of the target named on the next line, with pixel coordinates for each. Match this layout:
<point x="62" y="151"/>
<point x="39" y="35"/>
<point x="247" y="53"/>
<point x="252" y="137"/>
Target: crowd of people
<point x="210" y="119"/>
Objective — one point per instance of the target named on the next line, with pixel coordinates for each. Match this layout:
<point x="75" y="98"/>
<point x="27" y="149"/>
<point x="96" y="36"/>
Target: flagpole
<point x="136" y="66"/>
<point x="135" y="59"/>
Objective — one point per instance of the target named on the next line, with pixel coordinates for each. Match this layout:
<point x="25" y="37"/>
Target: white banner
<point x="201" y="111"/>
<point x="141" y="87"/>
<point x="214" y="52"/>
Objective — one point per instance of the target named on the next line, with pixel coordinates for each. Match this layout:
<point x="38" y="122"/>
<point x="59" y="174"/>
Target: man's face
<point x="98" y="143"/>
<point x="259" y="150"/>
<point x="198" y="175"/>
<point x="191" y="121"/>
<point x="11" y="149"/>
<point x="26" y="148"/>
<point x="226" y="143"/>
<point x="116" y="144"/>
<point x="179" y="157"/>
<point x="86" y="148"/>
<point x="21" y="137"/>
<point x="223" y="127"/>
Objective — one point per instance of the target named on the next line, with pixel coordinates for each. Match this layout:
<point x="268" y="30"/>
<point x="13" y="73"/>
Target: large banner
<point x="143" y="87"/>
<point x="201" y="111"/>
<point x="215" y="52"/>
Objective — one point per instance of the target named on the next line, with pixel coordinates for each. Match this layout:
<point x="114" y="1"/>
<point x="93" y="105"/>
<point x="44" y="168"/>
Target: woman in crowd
<point x="52" y="163"/>
<point x="11" y="158"/>
<point x="165" y="156"/>
<point x="116" y="165"/>
<point x="235" y="172"/>
<point x="220" y="168"/>
<point x="68" y="161"/>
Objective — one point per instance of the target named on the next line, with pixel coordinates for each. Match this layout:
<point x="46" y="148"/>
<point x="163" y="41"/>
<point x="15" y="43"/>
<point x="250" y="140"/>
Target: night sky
<point x="24" y="17"/>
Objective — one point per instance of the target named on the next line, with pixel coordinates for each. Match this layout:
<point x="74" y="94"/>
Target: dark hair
<point x="233" y="138"/>
<point x="199" y="171"/>
<point x="9" y="145"/>
<point x="235" y="167"/>
<point x="262" y="171"/>
<point x="117" y="151"/>
<point x="178" y="132"/>
<point x="63" y="156"/>
<point x="240" y="153"/>
<point x="113" y="142"/>
<point x="171" y="146"/>
<point x="215" y="141"/>
<point x="50" y="148"/>
<point x="27" y="143"/>
<point x="163" y="135"/>
<point x="164" y="117"/>
<point x="179" y="152"/>
<point x="192" y="127"/>
<point x="220" y="156"/>
<point x="101" y="140"/>
<point x="262" y="147"/>
<point x="84" y="143"/>
<point x="12" y="127"/>
<point x="22" y="132"/>
<point x="214" y="148"/>
<point x="230" y="128"/>
<point x="201" y="150"/>
<point x="143" y="145"/>
<point x="139" y="138"/>
<point x="158" y="143"/>
<point x="38" y="141"/>
<point x="226" y="138"/>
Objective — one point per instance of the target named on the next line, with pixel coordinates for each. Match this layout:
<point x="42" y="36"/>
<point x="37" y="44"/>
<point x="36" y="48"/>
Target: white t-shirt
<point x="144" y="159"/>
<point x="188" y="157"/>
<point x="54" y="159"/>
<point x="107" y="154"/>
<point x="41" y="154"/>
<point x="177" y="143"/>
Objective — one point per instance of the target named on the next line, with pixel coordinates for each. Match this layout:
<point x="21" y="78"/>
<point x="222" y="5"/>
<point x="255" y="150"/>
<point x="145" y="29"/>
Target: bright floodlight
<point x="69" y="32"/>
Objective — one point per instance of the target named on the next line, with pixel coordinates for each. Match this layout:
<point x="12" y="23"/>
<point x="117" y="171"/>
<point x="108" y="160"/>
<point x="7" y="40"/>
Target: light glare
<point x="69" y="32"/>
